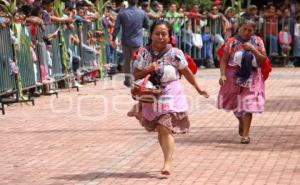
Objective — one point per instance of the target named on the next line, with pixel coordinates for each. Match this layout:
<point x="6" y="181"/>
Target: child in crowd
<point x="285" y="40"/>
<point x="47" y="67"/>
<point x="197" y="39"/>
<point x="197" y="45"/>
<point x="49" y="57"/>
<point x="90" y="56"/>
<point x="206" y="51"/>
<point x="108" y="24"/>
<point x="35" y="62"/>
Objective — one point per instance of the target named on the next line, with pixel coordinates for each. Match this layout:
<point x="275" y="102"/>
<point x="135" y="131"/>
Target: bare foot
<point x="166" y="170"/>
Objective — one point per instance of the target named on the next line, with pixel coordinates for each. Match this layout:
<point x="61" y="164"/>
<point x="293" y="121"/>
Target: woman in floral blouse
<point x="168" y="115"/>
<point x="242" y="85"/>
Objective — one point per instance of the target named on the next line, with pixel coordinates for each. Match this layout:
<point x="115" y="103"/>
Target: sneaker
<point x="51" y="91"/>
<point x="76" y="84"/>
<point x="202" y="67"/>
<point x="290" y="64"/>
<point x="210" y="64"/>
<point x="274" y="54"/>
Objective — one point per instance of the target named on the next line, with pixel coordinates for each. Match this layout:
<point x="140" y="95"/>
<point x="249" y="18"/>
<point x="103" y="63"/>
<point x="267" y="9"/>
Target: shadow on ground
<point x="283" y="104"/>
<point x="64" y="131"/>
<point x="103" y="175"/>
<point x="263" y="138"/>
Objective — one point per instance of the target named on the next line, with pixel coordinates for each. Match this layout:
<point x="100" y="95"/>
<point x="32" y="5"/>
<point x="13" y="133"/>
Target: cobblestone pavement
<point x="85" y="138"/>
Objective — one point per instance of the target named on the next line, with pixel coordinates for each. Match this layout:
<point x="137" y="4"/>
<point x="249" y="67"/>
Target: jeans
<point x="206" y="50"/>
<point x="297" y="46"/>
<point x="109" y="53"/>
<point x="272" y="44"/>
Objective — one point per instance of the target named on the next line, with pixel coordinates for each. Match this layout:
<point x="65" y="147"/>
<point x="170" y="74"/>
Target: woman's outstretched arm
<point x="191" y="79"/>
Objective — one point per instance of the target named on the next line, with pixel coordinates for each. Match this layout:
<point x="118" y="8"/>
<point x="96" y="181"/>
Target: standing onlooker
<point x="286" y="4"/>
<point x="206" y="50"/>
<point x="132" y="20"/>
<point x="3" y="20"/>
<point x="287" y="19"/>
<point x="251" y="13"/>
<point x="230" y="24"/>
<point x="216" y="22"/>
<point x="156" y="8"/>
<point x="195" y="17"/>
<point x="219" y="5"/>
<point x="108" y="24"/>
<point x="47" y="13"/>
<point x="173" y="18"/>
<point x="151" y="14"/>
<point x="271" y="30"/>
<point x="297" y="38"/>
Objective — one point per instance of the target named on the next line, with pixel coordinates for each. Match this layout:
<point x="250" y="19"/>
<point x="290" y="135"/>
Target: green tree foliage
<point x="203" y="4"/>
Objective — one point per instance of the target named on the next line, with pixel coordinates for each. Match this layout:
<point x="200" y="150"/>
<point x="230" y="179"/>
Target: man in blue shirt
<point x="132" y="20"/>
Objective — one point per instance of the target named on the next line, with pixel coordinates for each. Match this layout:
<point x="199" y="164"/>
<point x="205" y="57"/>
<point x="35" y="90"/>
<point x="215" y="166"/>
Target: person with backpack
<point x="244" y="67"/>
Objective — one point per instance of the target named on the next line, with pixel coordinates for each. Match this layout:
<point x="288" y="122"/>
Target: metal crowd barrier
<point x="25" y="62"/>
<point x="7" y="81"/>
<point x="16" y="68"/>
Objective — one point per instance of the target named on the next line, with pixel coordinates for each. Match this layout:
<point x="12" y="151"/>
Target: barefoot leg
<point x="240" y="126"/>
<point x="166" y="141"/>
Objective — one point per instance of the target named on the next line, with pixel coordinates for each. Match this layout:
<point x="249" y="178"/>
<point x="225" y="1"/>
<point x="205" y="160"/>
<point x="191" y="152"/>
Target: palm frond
<point x="5" y="9"/>
<point x="9" y="8"/>
<point x="6" y="3"/>
<point x="13" y="7"/>
<point x="58" y="11"/>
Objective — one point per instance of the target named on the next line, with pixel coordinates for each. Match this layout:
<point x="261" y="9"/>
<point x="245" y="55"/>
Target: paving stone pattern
<point x="85" y="138"/>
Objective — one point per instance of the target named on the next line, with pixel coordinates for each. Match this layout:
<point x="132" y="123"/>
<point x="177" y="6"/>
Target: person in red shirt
<point x="195" y="17"/>
<point x="271" y="31"/>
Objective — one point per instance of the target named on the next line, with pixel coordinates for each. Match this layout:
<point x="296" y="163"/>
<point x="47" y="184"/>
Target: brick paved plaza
<point x="85" y="138"/>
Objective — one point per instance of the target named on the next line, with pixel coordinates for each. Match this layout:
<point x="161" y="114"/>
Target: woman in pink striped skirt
<point x="242" y="86"/>
<point x="168" y="115"/>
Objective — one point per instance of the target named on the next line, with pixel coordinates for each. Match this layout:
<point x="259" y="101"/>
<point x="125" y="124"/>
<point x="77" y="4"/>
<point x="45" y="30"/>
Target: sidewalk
<point x="85" y="138"/>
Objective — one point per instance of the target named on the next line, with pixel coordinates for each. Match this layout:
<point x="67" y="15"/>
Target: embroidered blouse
<point x="234" y="45"/>
<point x="172" y="61"/>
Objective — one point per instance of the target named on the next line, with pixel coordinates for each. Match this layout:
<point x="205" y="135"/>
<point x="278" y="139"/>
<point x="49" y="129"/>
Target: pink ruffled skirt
<point x="233" y="97"/>
<point x="169" y="110"/>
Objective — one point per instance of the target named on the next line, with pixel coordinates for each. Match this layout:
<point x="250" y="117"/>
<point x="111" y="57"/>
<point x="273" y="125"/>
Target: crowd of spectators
<point x="36" y="15"/>
<point x="200" y="32"/>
